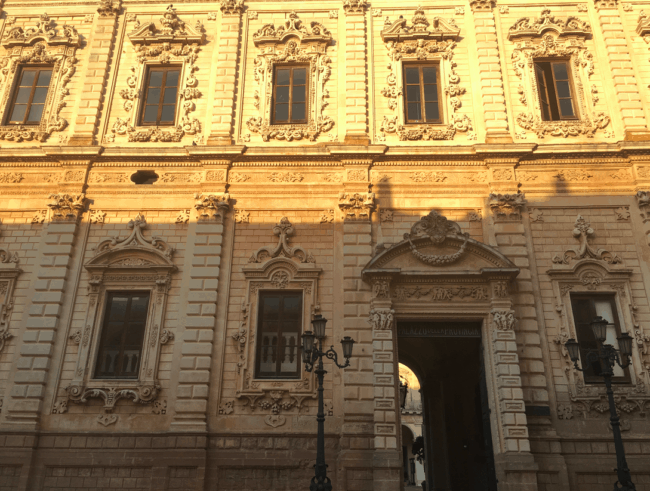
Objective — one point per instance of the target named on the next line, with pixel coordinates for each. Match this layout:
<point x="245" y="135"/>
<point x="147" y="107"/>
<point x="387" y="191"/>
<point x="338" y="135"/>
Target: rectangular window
<point x="290" y="95"/>
<point x="585" y="309"/>
<point x="120" y="346"/>
<point x="555" y="92"/>
<point x="29" y="97"/>
<point x="161" y="96"/>
<point x="278" y="334"/>
<point x="422" y="84"/>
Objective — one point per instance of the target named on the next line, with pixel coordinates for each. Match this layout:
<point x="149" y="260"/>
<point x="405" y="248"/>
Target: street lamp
<point x="608" y="357"/>
<point x="310" y="355"/>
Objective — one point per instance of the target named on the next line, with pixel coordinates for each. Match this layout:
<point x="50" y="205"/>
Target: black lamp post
<point x="310" y="355"/>
<point x="608" y="357"/>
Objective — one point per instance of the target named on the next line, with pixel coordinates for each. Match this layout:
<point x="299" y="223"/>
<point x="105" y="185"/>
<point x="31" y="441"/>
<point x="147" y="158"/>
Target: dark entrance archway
<point x="447" y="358"/>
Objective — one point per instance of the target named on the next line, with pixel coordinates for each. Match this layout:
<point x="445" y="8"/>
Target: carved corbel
<point x="354" y="6"/>
<point x="67" y="207"/>
<point x="232" y="7"/>
<point x="357" y="206"/>
<point x="109" y="8"/>
<point x="507" y="206"/>
<point x="482" y="5"/>
<point x="212" y="207"/>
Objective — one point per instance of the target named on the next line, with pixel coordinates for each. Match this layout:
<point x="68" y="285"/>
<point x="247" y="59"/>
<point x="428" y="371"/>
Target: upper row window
<point x="555" y="92"/>
<point x="290" y="95"/>
<point x="30" y="95"/>
<point x="162" y="95"/>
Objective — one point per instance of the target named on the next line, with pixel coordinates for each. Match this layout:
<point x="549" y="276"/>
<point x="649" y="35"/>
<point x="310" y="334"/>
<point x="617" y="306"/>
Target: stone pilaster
<point x="99" y="64"/>
<point x="55" y="256"/>
<point x="226" y="68"/>
<point x="356" y="81"/>
<point x="623" y="74"/>
<point x="490" y="76"/>
<point x="191" y="409"/>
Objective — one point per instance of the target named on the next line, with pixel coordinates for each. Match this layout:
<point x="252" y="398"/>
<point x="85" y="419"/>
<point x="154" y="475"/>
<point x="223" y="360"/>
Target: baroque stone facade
<point x="488" y="214"/>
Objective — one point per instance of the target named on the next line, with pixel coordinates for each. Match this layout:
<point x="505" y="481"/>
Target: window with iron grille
<point x="278" y="334"/>
<point x="585" y="308"/>
<point x="422" y="93"/>
<point x="122" y="335"/>
<point x="161" y="96"/>
<point x="30" y="94"/>
<point x="556" y="95"/>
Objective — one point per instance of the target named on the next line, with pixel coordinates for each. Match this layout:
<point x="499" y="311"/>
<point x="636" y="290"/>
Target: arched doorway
<point x="412" y="427"/>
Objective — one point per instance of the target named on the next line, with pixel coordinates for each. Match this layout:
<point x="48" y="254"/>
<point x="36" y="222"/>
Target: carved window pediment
<point x="124" y="265"/>
<point x="39" y="45"/>
<point x="423" y="41"/>
<point x="171" y="30"/>
<point x="548" y="37"/>
<point x="292" y="43"/>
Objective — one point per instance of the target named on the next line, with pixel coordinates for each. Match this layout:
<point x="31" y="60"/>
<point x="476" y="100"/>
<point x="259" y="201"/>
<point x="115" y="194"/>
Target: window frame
<point x="108" y="295"/>
<point x="14" y="95"/>
<point x="589" y="376"/>
<point x="148" y="69"/>
<point x="420" y="65"/>
<point x="556" y="99"/>
<point x="277" y="375"/>
<point x="292" y="67"/>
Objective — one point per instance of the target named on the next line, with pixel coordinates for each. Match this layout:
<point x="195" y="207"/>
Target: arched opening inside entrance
<point x="412" y="439"/>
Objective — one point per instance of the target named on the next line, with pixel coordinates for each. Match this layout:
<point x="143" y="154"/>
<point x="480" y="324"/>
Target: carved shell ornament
<point x="437" y="228"/>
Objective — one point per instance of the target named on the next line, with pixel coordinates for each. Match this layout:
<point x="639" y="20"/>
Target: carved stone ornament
<point x="173" y="42"/>
<point x="550" y="37"/>
<point x="482" y="5"/>
<point x="292" y="42"/>
<point x="40" y="45"/>
<point x="109" y="8"/>
<point x="503" y="320"/>
<point x="283" y="230"/>
<point x="381" y="319"/>
<point x="357" y="206"/>
<point x="9" y="273"/>
<point x="582" y="231"/>
<point x="67" y="207"/>
<point x="144" y="394"/>
<point x="422" y="40"/>
<point x="232" y="7"/>
<point x="355" y="6"/>
<point x="437" y="228"/>
<point x="212" y="207"/>
<point x="643" y="202"/>
<point x="507" y="206"/>
<point x="136" y="241"/>
<point x="643" y="26"/>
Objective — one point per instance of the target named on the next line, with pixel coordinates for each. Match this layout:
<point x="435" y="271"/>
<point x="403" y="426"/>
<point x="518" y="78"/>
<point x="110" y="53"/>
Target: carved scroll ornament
<point x="582" y="231"/>
<point x="173" y="41"/>
<point x="437" y="228"/>
<point x="550" y="37"/>
<point x="289" y="43"/>
<point x="422" y="40"/>
<point x="283" y="230"/>
<point x="39" y="45"/>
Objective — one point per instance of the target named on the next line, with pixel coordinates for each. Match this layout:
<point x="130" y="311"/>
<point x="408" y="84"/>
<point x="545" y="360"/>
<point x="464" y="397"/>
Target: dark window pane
<point x="412" y="76"/>
<point x="283" y="77"/>
<point x="298" y="93"/>
<point x="271" y="307"/>
<point x="429" y="74"/>
<point x="155" y="79"/>
<point x="282" y="94"/>
<point x="282" y="112"/>
<point x="153" y="96"/>
<point x="431" y="110"/>
<point x="298" y="111"/>
<point x="170" y="96"/>
<point x="172" y="78"/>
<point x="563" y="89"/>
<point x="300" y="76"/>
<point x="414" y="112"/>
<point x="44" y="78"/>
<point x="18" y="114"/>
<point x="560" y="71"/>
<point x="413" y="93"/>
<point x="27" y="79"/>
<point x="139" y="307"/>
<point x="151" y="114"/>
<point x="40" y="94"/>
<point x="167" y="115"/>
<point x="23" y="95"/>
<point x="566" y="108"/>
<point x="430" y="93"/>
<point x="118" y="308"/>
<point x="35" y="113"/>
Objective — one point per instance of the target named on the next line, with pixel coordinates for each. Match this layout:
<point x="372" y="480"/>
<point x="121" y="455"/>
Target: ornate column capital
<point x="67" y="207"/>
<point x="212" y="207"/>
<point x="507" y="206"/>
<point x="357" y="206"/>
<point x="482" y="5"/>
<point x="605" y="4"/>
<point x="232" y="7"/>
<point x="354" y="6"/>
<point x="109" y="8"/>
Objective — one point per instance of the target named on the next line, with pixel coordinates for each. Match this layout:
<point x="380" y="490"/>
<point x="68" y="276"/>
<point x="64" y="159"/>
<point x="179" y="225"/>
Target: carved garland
<point x="131" y="263"/>
<point x="437" y="228"/>
<point x="173" y="42"/>
<point x="533" y="41"/>
<point x="292" y="42"/>
<point x="419" y="43"/>
<point x="39" y="45"/>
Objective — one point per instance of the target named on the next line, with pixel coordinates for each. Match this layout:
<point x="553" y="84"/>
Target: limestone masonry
<point x="476" y="171"/>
